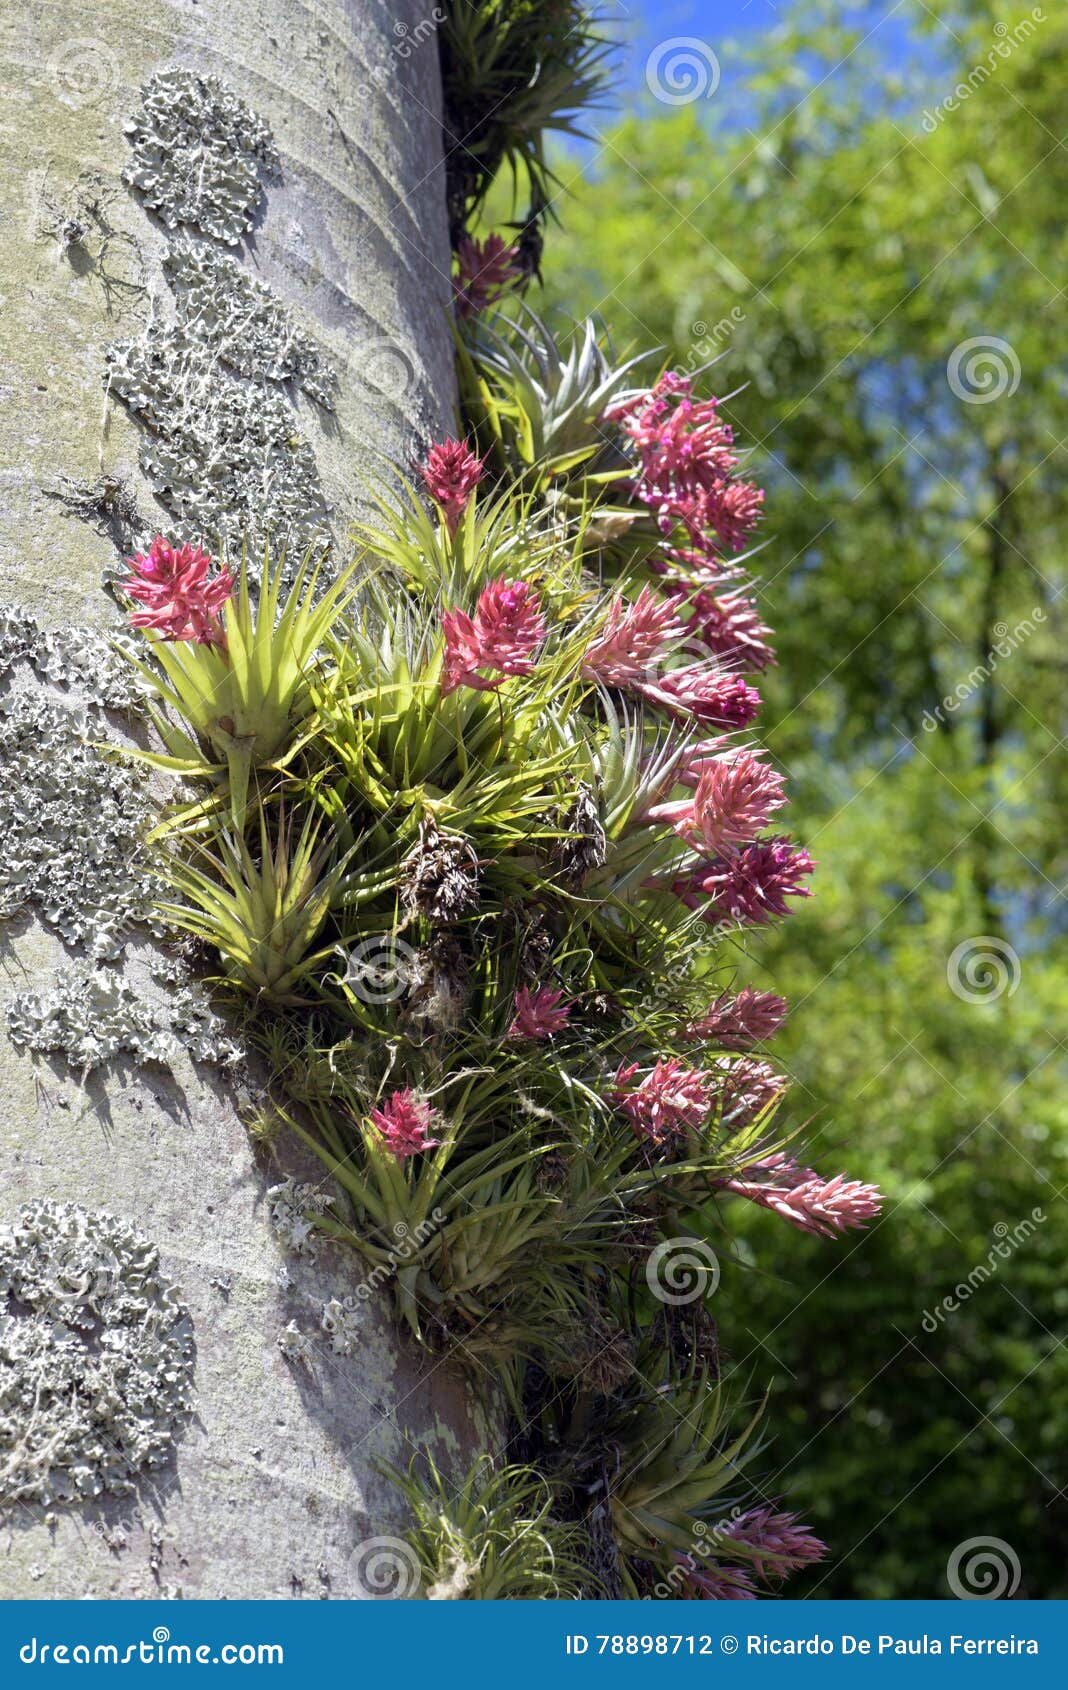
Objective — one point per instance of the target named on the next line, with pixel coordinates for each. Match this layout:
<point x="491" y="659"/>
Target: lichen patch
<point x="73" y="827"/>
<point x="96" y="1356"/>
<point x="213" y="375"/>
<point x="91" y="1015"/>
<point x="200" y="155"/>
<point x="223" y="455"/>
<point x="240" y="321"/>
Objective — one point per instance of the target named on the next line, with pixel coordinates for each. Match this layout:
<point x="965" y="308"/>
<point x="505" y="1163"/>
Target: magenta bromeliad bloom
<point x="487" y="269"/>
<point x="728" y="626"/>
<point x="404" y="1124"/>
<point x="749" y="887"/>
<point x="749" y="1087"/>
<point x="670" y="1101"/>
<point x="733" y="800"/>
<point x="738" y="1022"/>
<point x="180" y="601"/>
<point x="686" y="473"/>
<point x="451" y="474"/>
<point x="538" y="1014"/>
<point x="503" y="633"/>
<point x="686" y="464"/>
<point x="782" y="1543"/>
<point x="705" y="692"/>
<point x="633" y="640"/>
<point x="806" y="1200"/>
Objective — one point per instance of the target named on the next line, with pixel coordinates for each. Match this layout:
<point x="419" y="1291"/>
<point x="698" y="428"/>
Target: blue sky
<point x="643" y="23"/>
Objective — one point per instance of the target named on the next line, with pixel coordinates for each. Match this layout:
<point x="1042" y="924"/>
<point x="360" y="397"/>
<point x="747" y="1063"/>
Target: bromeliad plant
<point x="513" y="71"/>
<point x="491" y="1536"/>
<point x="473" y="833"/>
<point x="232" y="669"/>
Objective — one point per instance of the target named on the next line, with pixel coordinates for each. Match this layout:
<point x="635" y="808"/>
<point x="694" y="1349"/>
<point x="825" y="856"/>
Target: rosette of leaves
<point x="512" y="72"/>
<point x="490" y="1536"/>
<point x="534" y="405"/>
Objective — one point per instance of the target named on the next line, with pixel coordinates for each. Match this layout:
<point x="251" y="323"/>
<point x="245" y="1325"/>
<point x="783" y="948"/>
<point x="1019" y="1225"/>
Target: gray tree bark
<point x="312" y="227"/>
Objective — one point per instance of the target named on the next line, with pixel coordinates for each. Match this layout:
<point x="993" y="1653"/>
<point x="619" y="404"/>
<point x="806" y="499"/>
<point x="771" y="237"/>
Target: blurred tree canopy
<point x="836" y="226"/>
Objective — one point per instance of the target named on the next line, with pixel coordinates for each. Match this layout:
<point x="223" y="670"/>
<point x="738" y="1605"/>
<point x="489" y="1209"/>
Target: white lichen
<point x="96" y="1356"/>
<point x="295" y="1345"/>
<point x="91" y="1015"/>
<point x="87" y="664"/>
<point x="239" y="321"/>
<point x="341" y="1323"/>
<point x="200" y="155"/>
<point x="211" y="377"/>
<point x="293" y="1210"/>
<point x="73" y="826"/>
<point x="223" y="455"/>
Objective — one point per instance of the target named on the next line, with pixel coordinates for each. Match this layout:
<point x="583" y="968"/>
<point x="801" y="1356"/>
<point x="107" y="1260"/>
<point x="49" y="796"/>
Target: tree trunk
<point x="226" y="340"/>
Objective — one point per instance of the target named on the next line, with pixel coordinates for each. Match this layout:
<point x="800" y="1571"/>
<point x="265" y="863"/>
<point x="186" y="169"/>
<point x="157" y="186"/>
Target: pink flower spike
<point x="506" y="628"/>
<point x="404" y="1124"/>
<point x="633" y="639"/>
<point x="729" y="627"/>
<point x="784" y="1545"/>
<point x="750" y="886"/>
<point x="671" y="1100"/>
<point x="749" y="1088"/>
<point x="734" y="798"/>
<point x="180" y="602"/>
<point x="738" y="1022"/>
<point x="686" y="467"/>
<point x="822" y="1207"/>
<point x="451" y="474"/>
<point x="710" y="695"/>
<point x="509" y="625"/>
<point x="538" y="1014"/>
<point x="486" y="270"/>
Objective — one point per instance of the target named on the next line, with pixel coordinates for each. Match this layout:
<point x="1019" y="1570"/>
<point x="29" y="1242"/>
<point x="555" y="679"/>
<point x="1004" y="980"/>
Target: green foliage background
<point x="830" y="231"/>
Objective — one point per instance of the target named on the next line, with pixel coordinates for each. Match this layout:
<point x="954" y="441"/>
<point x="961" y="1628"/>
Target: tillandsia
<point x="476" y="834"/>
<point x="512" y="71"/>
<point x="490" y="1535"/>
